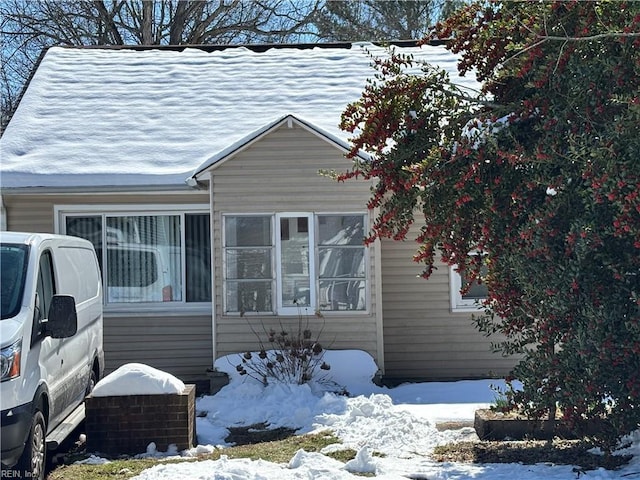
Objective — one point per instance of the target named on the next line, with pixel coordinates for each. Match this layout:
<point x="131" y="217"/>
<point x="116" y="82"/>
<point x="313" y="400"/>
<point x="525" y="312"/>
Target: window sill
<point x="168" y="309"/>
<point x="467" y="309"/>
<point x="324" y="313"/>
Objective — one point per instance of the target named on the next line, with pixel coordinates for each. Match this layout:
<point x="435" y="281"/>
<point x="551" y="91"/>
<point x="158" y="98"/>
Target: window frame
<point x="62" y="212"/>
<point x="41" y="314"/>
<point x="276" y="264"/>
<point x="459" y="304"/>
<point x="224" y="248"/>
<point x="282" y="309"/>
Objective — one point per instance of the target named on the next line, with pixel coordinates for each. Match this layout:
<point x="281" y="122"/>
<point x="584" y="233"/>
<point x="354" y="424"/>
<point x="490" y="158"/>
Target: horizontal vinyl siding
<point x="175" y="344"/>
<point x="29" y="214"/>
<point x="279" y="173"/>
<point x="35" y="213"/>
<point x="335" y="333"/>
<point x="423" y="339"/>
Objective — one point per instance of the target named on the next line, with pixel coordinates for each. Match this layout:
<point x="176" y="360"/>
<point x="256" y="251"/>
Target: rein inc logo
<point x="10" y="473"/>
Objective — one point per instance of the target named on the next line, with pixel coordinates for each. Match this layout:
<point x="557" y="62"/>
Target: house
<point x="195" y="173"/>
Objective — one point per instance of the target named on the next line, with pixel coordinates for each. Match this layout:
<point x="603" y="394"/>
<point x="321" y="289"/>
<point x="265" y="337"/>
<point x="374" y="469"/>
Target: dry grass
<point x="529" y="452"/>
<point x="277" y="451"/>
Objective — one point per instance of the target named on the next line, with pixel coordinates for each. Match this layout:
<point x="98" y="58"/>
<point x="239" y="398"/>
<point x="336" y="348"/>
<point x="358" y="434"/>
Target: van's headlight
<point x="10" y="361"/>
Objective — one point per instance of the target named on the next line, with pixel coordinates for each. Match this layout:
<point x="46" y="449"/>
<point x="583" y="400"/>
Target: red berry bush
<point x="540" y="172"/>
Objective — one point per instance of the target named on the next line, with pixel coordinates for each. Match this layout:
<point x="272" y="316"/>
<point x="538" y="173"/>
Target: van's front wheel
<point x="32" y="461"/>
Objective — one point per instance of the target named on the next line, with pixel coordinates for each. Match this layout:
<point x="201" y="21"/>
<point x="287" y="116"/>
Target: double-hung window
<point x="249" y="275"/>
<point x="150" y="258"/>
<point x="285" y="262"/>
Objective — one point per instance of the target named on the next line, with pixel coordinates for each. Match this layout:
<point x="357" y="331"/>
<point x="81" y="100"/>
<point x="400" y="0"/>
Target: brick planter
<point x="127" y="424"/>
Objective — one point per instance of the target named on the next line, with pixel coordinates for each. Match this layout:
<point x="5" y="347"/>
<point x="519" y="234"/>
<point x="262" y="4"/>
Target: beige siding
<point x="29" y="213"/>
<point x="423" y="338"/>
<point x="35" y="213"/>
<point x="279" y="173"/>
<point x="237" y="334"/>
<point x="180" y="345"/>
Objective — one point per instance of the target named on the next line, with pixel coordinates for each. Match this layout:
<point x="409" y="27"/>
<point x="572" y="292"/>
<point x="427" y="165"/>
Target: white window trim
<point x="459" y="304"/>
<point x="61" y="211"/>
<point x="276" y="265"/>
<point x="223" y="249"/>
<point x="313" y="254"/>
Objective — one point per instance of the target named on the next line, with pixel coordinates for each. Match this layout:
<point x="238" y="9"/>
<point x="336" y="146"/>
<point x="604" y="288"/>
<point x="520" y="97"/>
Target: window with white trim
<point x="148" y="258"/>
<point x="467" y="295"/>
<point x="285" y="262"/>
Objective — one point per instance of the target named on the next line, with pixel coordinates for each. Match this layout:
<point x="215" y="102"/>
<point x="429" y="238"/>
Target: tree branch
<point x="589" y="38"/>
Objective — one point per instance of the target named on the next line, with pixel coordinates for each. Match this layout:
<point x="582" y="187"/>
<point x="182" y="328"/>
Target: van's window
<point x="45" y="288"/>
<point x="13" y="271"/>
<point x="149" y="258"/>
<point x="80" y="273"/>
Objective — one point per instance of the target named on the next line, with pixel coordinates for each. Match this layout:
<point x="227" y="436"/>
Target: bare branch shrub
<point x="291" y="355"/>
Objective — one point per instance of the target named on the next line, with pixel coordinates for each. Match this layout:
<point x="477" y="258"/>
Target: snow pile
<point x="375" y="422"/>
<point x="249" y="403"/>
<point x="376" y="417"/>
<point x="362" y="463"/>
<point x="137" y="379"/>
<point x="93" y="460"/>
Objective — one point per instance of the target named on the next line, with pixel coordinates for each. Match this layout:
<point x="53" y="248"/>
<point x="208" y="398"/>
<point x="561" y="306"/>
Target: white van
<point x="51" y="343"/>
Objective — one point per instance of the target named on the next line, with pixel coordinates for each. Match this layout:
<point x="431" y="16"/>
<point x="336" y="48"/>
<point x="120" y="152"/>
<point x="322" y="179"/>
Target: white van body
<point x="47" y="369"/>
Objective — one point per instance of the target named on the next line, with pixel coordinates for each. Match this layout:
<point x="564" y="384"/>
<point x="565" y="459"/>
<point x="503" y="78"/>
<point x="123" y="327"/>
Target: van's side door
<point x="46" y="357"/>
<point x="78" y="275"/>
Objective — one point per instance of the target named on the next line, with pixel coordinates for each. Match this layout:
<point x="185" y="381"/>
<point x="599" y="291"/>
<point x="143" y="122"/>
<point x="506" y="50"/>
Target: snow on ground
<point x="398" y="422"/>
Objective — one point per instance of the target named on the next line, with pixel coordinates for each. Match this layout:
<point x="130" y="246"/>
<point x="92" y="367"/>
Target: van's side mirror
<point x="63" y="320"/>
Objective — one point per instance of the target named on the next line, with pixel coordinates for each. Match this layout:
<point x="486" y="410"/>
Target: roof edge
<point x="257" y="47"/>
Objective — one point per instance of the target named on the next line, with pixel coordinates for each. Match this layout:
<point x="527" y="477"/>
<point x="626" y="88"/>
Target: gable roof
<point x="130" y="117"/>
<point x="256" y="135"/>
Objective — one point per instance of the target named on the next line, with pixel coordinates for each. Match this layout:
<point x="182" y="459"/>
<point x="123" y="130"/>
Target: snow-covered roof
<point x="124" y="117"/>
